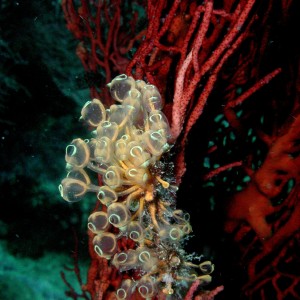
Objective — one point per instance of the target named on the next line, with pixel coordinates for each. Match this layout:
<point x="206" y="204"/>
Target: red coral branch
<point x="104" y="39"/>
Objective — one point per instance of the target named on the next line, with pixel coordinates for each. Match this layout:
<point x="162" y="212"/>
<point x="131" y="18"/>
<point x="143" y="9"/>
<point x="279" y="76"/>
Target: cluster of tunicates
<point x="129" y="138"/>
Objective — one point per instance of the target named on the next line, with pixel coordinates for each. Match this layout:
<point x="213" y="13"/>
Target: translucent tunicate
<point x="206" y="267"/>
<point x="151" y="98"/>
<point x="121" y="115"/>
<point x="175" y="233"/>
<point x="186" y="228"/>
<point x="98" y="167"/>
<point x="91" y="143"/>
<point x="140" y="84"/>
<point x="204" y="279"/>
<point x="132" y="201"/>
<point x="72" y="190"/>
<point x="133" y="101"/>
<point x="121" y="149"/>
<point x="98" y="222"/>
<point x="159" y="122"/>
<point x="103" y="150"/>
<point x="126" y="138"/>
<point x="125" y="261"/>
<point x="144" y="255"/>
<point x="74" y="186"/>
<point x="77" y="154"/>
<point x="108" y="129"/>
<point x="138" y="175"/>
<point x="135" y="231"/>
<point x="133" y="98"/>
<point x="137" y="134"/>
<point x="125" y="290"/>
<point x="118" y="214"/>
<point x="146" y="287"/>
<point x="107" y="196"/>
<point x="146" y="258"/>
<point x="156" y="142"/>
<point x="137" y="155"/>
<point x="113" y="177"/>
<point x="93" y="112"/>
<point x="120" y="86"/>
<point x="105" y="245"/>
<point x="180" y="216"/>
<point x="171" y="232"/>
<point x="79" y="175"/>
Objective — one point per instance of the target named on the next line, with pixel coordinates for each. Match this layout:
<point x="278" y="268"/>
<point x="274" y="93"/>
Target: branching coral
<point x="137" y="195"/>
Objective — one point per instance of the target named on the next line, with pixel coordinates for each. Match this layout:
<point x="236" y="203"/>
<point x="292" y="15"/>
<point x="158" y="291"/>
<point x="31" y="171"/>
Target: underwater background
<point x="42" y="91"/>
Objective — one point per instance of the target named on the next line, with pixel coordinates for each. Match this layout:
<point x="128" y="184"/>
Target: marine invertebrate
<point x="137" y="194"/>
